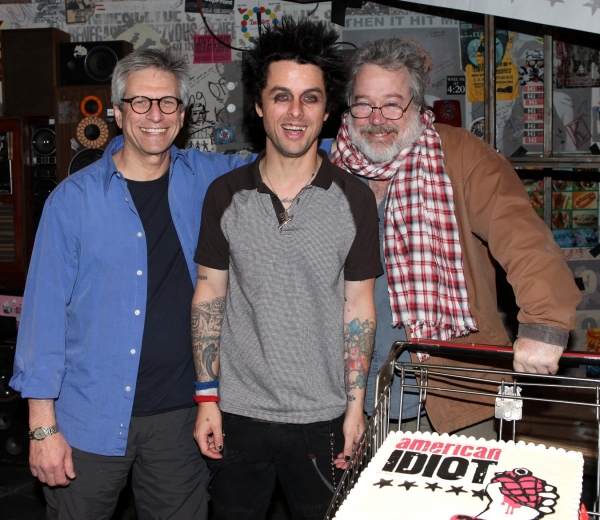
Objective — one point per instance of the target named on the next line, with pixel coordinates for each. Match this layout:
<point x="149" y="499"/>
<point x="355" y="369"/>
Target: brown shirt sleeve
<point x="363" y="261"/>
<point x="213" y="248"/>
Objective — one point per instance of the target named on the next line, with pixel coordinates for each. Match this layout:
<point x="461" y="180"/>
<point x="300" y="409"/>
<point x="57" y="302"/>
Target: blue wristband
<point x="208" y="385"/>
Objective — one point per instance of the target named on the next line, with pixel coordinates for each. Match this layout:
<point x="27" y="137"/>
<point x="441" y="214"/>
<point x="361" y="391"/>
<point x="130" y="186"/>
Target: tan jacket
<point x="496" y="221"/>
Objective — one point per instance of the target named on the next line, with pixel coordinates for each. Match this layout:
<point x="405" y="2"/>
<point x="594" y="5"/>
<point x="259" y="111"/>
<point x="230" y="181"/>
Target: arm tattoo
<point x="207" y="320"/>
<point x="201" y="277"/>
<point x="358" y="348"/>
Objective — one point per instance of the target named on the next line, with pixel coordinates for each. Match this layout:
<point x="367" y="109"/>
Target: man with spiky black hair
<point x="283" y="316"/>
<point x="303" y="42"/>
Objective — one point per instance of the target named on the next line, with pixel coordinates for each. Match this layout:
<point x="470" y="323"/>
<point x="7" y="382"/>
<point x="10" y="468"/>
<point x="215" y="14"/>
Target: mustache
<point x="378" y="129"/>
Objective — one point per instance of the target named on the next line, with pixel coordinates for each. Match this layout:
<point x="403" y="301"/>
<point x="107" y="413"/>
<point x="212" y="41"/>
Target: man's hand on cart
<point x="354" y="426"/>
<point x="209" y="430"/>
<point x="536" y="357"/>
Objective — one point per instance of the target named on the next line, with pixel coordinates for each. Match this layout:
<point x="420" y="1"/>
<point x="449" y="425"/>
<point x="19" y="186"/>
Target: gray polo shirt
<point x="282" y="342"/>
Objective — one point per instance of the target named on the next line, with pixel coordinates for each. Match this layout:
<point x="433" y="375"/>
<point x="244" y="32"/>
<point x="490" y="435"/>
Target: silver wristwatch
<point x="41" y="433"/>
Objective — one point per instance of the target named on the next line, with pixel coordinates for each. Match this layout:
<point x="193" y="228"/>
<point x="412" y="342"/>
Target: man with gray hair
<point x="450" y="208"/>
<point x="104" y="351"/>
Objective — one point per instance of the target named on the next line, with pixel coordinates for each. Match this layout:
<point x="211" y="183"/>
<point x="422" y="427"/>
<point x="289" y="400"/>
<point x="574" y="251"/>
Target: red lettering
<point x="436" y="447"/>
<point x="403" y="444"/>
<point x="466" y="451"/>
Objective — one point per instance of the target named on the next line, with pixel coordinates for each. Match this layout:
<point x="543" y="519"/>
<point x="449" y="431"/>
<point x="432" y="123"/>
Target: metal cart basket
<point x="539" y="393"/>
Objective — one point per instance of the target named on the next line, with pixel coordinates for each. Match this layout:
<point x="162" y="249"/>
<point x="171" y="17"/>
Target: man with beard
<point x="450" y="207"/>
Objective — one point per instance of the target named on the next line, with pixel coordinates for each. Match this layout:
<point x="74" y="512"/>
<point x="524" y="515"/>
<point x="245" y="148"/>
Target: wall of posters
<point x="215" y="116"/>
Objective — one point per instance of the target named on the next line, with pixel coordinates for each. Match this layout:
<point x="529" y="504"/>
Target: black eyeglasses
<point x="391" y="112"/>
<point x="143" y="104"/>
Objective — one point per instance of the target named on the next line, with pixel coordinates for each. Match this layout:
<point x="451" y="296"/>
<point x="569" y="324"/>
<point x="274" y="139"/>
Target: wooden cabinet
<point x="15" y="226"/>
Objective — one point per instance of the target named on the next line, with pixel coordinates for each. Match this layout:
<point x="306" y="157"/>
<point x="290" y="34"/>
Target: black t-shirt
<point x="166" y="375"/>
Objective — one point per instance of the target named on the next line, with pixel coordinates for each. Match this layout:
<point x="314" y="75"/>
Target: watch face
<point x="39" y="434"/>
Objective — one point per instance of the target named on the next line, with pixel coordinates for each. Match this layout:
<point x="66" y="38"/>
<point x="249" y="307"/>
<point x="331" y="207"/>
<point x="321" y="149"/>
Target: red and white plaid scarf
<point x="423" y="256"/>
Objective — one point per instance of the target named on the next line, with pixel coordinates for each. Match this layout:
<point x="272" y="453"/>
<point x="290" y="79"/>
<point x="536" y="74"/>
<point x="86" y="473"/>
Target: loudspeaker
<point x="84" y="158"/>
<point x="43" y="166"/>
<point x="43" y="145"/>
<point x="14" y="441"/>
<point x="84" y="123"/>
<point x="90" y="63"/>
<point x="30" y="65"/>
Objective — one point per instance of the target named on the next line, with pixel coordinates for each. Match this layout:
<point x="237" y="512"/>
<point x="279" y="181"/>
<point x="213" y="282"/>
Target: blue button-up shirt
<point x="84" y="306"/>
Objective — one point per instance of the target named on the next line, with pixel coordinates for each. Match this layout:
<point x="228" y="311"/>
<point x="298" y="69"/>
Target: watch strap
<point x="42" y="432"/>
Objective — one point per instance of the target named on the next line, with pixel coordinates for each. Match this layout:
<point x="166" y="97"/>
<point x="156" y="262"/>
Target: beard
<point x="377" y="152"/>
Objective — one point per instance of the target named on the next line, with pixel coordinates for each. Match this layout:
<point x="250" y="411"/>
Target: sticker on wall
<point x="575" y="212"/>
<point x="579" y="132"/>
<point x="249" y="16"/>
<point x="507" y="75"/>
<point x="472" y="43"/>
<point x="207" y="49"/>
<point x="535" y="190"/>
<point x="141" y="35"/>
<point x="204" y="145"/>
<point x="478" y="127"/>
<point x="576" y="66"/>
<point x="79" y="11"/>
<point x="224" y="135"/>
<point x="533" y="114"/>
<point x="209" y="6"/>
<point x="208" y="102"/>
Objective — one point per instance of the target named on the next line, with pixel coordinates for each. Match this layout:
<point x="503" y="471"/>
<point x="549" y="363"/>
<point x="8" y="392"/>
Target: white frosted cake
<point x="425" y="476"/>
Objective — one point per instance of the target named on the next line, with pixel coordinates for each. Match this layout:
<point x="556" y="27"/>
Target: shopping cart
<point x="509" y="405"/>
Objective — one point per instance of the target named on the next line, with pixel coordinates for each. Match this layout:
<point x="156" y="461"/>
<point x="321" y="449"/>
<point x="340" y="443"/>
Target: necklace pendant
<point x="285" y="218"/>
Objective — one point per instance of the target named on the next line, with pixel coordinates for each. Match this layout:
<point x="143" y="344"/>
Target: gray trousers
<point x="169" y="474"/>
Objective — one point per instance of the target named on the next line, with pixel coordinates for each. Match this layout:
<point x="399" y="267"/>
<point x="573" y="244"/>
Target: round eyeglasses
<point x="391" y="112"/>
<point x="143" y="104"/>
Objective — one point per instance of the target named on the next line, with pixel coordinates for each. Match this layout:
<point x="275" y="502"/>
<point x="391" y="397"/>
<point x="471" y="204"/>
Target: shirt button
<point x="139" y="273"/>
<point x="273" y="197"/>
<point x="126" y="199"/>
<point x="137" y="312"/>
<point x="128" y="389"/>
<point x="132" y="353"/>
<point x="139" y="234"/>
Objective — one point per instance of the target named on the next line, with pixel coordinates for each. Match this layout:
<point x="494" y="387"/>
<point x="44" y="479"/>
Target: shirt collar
<point x="323" y="179"/>
<point x="110" y="170"/>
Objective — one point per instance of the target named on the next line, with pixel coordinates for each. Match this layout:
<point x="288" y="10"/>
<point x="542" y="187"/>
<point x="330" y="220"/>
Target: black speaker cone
<point x="91" y="107"/>
<point x="92" y="132"/>
<point x="84" y="158"/>
<point x="100" y="63"/>
<point x="44" y="141"/>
